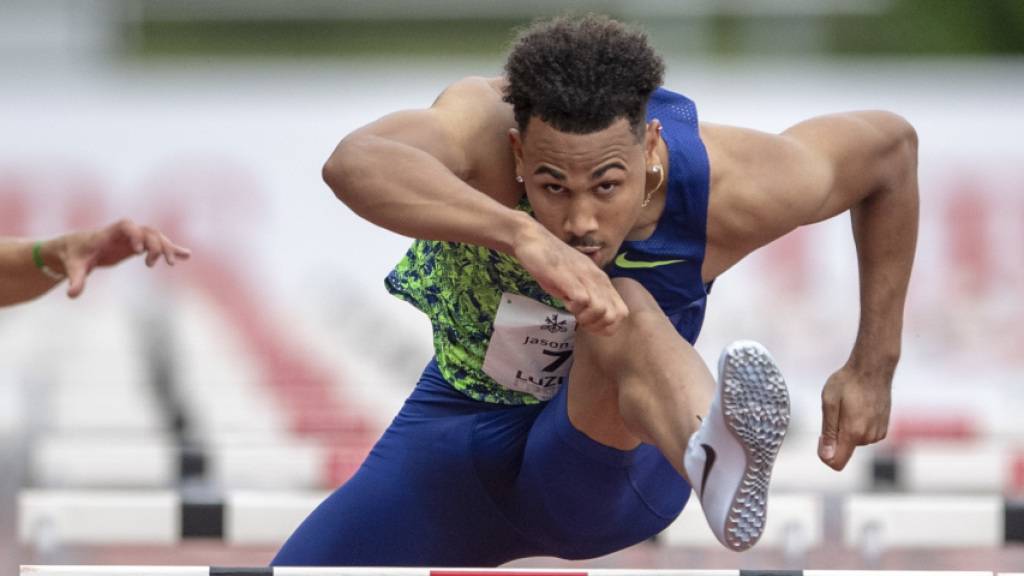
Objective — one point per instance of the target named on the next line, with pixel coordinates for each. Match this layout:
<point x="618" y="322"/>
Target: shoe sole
<point x="755" y="404"/>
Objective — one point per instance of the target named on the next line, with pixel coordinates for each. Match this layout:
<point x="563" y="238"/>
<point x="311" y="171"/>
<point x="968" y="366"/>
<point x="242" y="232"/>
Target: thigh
<point x="580" y="498"/>
<point x="415" y="501"/>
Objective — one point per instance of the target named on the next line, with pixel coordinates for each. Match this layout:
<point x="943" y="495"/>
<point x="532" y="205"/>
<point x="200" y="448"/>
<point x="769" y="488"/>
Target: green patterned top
<point x="459" y="286"/>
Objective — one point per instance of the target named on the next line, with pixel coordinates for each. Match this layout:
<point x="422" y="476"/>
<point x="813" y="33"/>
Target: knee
<point x="642" y="308"/>
<point x="637" y="298"/>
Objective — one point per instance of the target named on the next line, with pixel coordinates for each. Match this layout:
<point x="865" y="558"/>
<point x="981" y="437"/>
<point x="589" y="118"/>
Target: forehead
<point x="542" y="142"/>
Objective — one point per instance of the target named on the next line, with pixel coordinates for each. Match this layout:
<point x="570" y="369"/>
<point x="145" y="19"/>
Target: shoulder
<point x="755" y="176"/>
<point x="764" y="185"/>
<point x="476" y="118"/>
<point x="475" y="98"/>
<point x="471" y="88"/>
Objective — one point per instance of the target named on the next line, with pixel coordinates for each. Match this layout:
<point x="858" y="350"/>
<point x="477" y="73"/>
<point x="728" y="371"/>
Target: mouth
<point x="591" y="251"/>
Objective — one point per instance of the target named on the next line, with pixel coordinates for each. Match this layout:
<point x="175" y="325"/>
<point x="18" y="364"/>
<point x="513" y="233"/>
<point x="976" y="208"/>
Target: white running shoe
<point x="729" y="458"/>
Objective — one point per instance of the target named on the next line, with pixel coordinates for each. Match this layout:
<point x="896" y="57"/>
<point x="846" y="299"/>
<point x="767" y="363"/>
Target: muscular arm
<point x="872" y="160"/>
<point x="407" y="171"/>
<point x="866" y="163"/>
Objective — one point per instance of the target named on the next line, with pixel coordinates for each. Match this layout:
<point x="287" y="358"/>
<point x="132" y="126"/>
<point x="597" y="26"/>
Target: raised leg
<point x="645" y="383"/>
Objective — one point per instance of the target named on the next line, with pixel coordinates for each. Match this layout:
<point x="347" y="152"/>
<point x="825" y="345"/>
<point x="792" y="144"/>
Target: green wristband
<point x="37" y="257"/>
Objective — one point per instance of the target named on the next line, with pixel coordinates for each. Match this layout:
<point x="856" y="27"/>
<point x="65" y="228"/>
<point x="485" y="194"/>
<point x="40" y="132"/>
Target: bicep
<point x="424" y="130"/>
<point x="809" y="173"/>
<point x="446" y="131"/>
<point x="857" y="152"/>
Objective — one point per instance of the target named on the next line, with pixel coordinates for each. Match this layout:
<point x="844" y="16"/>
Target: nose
<point x="581" y="218"/>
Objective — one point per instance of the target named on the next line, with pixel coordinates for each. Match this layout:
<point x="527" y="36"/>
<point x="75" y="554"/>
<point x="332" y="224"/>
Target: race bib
<point x="531" y="347"/>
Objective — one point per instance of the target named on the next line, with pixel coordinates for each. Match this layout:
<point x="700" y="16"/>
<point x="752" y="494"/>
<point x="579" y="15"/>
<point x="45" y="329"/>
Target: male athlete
<point x="31" y="269"/>
<point x="571" y="217"/>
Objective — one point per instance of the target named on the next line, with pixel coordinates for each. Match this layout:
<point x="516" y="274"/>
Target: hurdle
<point x="384" y="571"/>
<point x="159" y="517"/>
<point x="256" y="459"/>
<point x="87" y="461"/>
<point x="166" y="517"/>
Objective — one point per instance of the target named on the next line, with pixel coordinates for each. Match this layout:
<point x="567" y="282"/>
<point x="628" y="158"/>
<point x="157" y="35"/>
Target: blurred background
<point x="194" y="415"/>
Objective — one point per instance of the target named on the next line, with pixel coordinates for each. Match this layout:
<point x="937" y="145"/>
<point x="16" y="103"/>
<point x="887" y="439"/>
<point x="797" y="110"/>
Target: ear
<point x="515" y="138"/>
<point x="651" y="138"/>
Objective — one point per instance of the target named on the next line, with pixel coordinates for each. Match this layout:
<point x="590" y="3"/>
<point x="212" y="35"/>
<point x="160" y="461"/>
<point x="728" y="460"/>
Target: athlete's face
<point x="587" y="189"/>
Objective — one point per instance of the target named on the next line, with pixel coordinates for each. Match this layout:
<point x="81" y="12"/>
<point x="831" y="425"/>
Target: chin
<point x="604" y="261"/>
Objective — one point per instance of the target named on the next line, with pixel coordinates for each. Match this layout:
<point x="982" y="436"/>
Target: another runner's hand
<point x="570" y="276"/>
<point x="81" y="252"/>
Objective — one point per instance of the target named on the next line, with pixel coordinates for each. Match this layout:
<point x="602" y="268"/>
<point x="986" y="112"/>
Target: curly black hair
<point x="581" y="74"/>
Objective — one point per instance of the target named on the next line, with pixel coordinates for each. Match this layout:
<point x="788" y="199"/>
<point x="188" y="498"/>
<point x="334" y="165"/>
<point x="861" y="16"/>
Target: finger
<point x="878" y="434"/>
<point x="829" y="427"/>
<point x="591" y="317"/>
<point x="153" y="248"/>
<point x="568" y="289"/>
<point x="180" y="252"/>
<point x="850" y="436"/>
<point x="844" y="450"/>
<point x="597" y="327"/>
<point x="76" y="278"/>
<point x="168" y="250"/>
<point x="606" y="305"/>
<point x="134" y="233"/>
<point x="577" y="300"/>
<point x="600" y="314"/>
<point x="621" y="311"/>
<point x="612" y="319"/>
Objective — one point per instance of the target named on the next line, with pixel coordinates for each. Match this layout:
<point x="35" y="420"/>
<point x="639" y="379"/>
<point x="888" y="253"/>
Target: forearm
<point x="885" y="230"/>
<point x="408" y="191"/>
<point x="20" y="279"/>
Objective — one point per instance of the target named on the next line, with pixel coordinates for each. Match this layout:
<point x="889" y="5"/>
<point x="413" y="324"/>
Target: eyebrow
<point x="600" y="171"/>
<point x="558" y="175"/>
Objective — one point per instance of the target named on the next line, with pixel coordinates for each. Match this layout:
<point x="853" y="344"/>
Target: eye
<point x="554" y="188"/>
<point x="607" y="187"/>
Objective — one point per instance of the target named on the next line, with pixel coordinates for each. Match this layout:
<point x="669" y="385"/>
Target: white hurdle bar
<point x="268" y="461"/>
<point x="889" y="520"/>
<point x="269" y="517"/>
<point x="795" y="522"/>
<point x="383" y="571"/>
<point x="97" y="461"/>
<point x="165" y="517"/>
<point x="159" y="517"/>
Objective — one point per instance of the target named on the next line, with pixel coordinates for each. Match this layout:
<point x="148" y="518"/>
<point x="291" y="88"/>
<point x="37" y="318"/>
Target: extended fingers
<point x="154" y="247"/>
<point x="157" y="245"/>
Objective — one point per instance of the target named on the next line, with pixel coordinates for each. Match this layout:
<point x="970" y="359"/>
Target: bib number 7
<point x="531" y="346"/>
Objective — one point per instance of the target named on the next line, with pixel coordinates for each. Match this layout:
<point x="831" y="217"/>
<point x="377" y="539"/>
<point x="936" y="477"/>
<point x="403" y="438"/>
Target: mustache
<point x="588" y="241"/>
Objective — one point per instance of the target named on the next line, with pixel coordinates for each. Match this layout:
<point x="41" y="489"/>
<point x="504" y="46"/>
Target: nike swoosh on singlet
<point x="622" y="262"/>
<point x="709" y="461"/>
